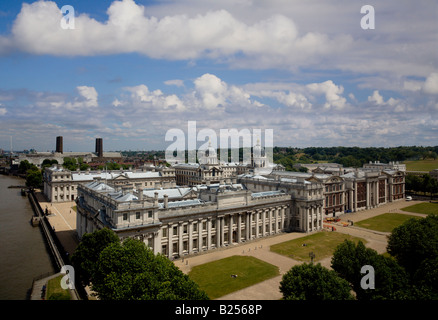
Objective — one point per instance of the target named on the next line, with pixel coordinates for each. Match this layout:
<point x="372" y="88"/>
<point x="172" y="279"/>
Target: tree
<point x="130" y="270"/>
<point x="70" y="163"/>
<point x="24" y="166"/>
<point x="34" y="178"/>
<point x="87" y="253"/>
<point x="390" y="278"/>
<point x="48" y="163"/>
<point x="414" y="241"/>
<point x="314" y="282"/>
<point x="426" y="280"/>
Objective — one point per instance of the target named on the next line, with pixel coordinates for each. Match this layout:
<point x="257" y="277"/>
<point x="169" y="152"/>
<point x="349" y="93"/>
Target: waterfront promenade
<point x="62" y="218"/>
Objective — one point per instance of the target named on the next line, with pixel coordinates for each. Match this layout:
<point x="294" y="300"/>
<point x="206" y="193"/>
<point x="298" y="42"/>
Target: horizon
<point x="129" y="71"/>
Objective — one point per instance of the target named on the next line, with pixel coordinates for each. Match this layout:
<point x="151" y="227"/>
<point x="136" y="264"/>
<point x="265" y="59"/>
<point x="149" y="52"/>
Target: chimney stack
<point x="166" y="201"/>
<point x="99" y="147"/>
<point x="59" y="145"/>
<point x="140" y="194"/>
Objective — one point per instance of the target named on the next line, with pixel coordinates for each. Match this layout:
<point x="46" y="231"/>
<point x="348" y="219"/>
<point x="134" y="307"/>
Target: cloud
<point x="143" y="98"/>
<point x="215" y="34"/>
<point x="332" y="93"/>
<point x="431" y="84"/>
<point x="176" y="82"/>
<point x="2" y="111"/>
<point x="89" y="94"/>
<point x="376" y="98"/>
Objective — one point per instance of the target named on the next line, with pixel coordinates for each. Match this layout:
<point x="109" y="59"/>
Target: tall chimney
<point x="166" y="201"/>
<point x="99" y="147"/>
<point x="59" y="144"/>
<point x="140" y="194"/>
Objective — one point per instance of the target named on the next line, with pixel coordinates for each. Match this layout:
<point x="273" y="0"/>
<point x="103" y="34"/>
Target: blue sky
<point x="132" y="70"/>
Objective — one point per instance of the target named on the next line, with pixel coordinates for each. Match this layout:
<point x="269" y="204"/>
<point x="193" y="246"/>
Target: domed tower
<point x="209" y="156"/>
<point x="258" y="156"/>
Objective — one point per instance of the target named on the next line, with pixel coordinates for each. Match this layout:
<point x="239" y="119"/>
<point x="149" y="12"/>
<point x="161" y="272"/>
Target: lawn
<point x="216" y="280"/>
<point x="385" y="222"/>
<point x="322" y="244"/>
<point x="54" y="290"/>
<point x="421" y="165"/>
<point x="425" y="208"/>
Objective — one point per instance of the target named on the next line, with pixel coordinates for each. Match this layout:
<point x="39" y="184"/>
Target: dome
<point x="257" y="150"/>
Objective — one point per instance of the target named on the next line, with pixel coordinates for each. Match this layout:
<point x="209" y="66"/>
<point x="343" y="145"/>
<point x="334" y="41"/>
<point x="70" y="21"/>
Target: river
<point x="23" y="252"/>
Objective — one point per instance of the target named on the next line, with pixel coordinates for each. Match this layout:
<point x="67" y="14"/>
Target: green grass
<point x="421" y="165"/>
<point x="54" y="290"/>
<point x="322" y="244"/>
<point x="385" y="222"/>
<point x="215" y="277"/>
<point x="425" y="208"/>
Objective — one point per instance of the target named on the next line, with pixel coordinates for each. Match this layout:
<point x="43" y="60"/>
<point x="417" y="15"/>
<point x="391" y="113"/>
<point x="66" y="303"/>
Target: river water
<point x="23" y="252"/>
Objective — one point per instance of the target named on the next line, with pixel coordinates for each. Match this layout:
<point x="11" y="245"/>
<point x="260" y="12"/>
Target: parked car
<point x="408" y="198"/>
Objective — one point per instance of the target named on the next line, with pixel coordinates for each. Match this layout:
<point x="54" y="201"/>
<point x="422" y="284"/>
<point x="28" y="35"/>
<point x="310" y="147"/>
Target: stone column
<point x="276" y="212"/>
<point x="209" y="232"/>
<point x="222" y="231"/>
<point x="199" y="235"/>
<point x="170" y="237"/>
<point x="157" y="241"/>
<point x="190" y="230"/>
<point x="264" y="222"/>
<point x="257" y="213"/>
<point x="218" y="232"/>
<point x="354" y="209"/>
<point x="239" y="227"/>
<point x="230" y="229"/>
<point x="282" y="216"/>
<point x="367" y="195"/>
<point x="180" y="240"/>
<point x="249" y="227"/>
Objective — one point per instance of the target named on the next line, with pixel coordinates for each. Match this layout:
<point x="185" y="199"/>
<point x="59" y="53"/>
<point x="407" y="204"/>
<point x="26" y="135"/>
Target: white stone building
<point x="221" y="215"/>
<point x="60" y="184"/>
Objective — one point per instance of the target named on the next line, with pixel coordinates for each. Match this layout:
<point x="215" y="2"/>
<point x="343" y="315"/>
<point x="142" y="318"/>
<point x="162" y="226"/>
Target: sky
<point x="315" y="72"/>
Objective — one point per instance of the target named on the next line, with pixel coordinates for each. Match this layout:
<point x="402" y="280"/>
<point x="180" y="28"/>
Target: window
<point x="137" y="215"/>
<point x="175" y="231"/>
<point x="125" y="216"/>
<point x="185" y="229"/>
<point x="164" y="232"/>
<point x="195" y="227"/>
<point x="149" y="214"/>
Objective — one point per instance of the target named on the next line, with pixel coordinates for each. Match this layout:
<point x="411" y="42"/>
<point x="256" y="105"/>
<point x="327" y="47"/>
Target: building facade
<point x="60" y="184"/>
<point x="220" y="216"/>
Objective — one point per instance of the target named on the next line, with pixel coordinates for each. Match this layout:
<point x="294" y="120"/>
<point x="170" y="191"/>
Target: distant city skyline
<point x="131" y="70"/>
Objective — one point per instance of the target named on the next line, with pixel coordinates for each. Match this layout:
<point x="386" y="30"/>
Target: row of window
<point x="174" y="230"/>
<point x="195" y="241"/>
<point x="137" y="215"/>
<point x="66" y="188"/>
<point x="333" y="187"/>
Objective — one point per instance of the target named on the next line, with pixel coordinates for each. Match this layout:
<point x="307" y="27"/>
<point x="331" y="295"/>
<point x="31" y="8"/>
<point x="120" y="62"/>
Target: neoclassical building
<point x="220" y="215"/>
<point x="60" y="184"/>
<point x="210" y="170"/>
<point x="355" y="190"/>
